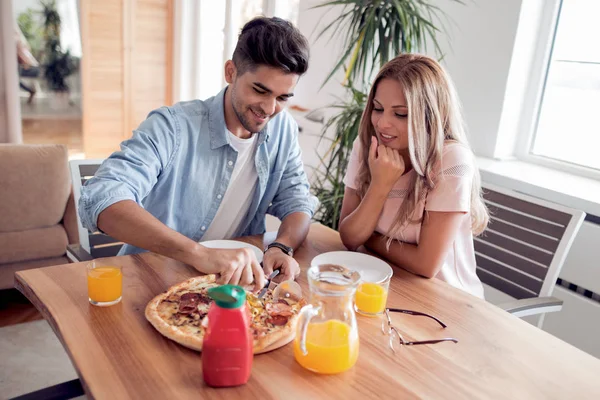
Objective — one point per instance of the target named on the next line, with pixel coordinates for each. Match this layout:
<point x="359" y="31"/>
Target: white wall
<point x="323" y="56"/>
<point x="309" y="94"/>
<point x="478" y="57"/>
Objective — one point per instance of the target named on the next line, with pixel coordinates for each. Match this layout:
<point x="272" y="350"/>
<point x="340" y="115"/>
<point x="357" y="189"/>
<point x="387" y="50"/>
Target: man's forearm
<point x="293" y="229"/>
<point x="127" y="222"/>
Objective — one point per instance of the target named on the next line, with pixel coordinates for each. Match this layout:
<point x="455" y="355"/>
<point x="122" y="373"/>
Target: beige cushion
<point x="33" y="244"/>
<point x="7" y="271"/>
<point x="35" y="186"/>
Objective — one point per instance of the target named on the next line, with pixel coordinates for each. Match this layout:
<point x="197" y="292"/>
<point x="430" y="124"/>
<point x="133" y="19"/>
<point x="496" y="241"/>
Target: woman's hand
<point x="386" y="165"/>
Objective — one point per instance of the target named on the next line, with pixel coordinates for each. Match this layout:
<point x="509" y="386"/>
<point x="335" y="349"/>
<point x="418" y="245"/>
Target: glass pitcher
<point x="327" y="336"/>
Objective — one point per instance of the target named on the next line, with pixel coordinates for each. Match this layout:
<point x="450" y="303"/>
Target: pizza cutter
<point x="285" y="290"/>
<point x="288" y="290"/>
<point x="269" y="279"/>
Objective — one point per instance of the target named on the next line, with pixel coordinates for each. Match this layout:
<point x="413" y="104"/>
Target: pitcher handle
<point x="306" y="314"/>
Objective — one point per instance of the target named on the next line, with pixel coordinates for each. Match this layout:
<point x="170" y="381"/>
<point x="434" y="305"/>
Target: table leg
<point x="65" y="390"/>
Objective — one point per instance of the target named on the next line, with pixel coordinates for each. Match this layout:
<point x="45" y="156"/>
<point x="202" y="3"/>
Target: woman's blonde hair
<point x="434" y="117"/>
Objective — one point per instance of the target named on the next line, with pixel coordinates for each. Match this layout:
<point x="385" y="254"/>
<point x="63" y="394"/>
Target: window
<point x="567" y="132"/>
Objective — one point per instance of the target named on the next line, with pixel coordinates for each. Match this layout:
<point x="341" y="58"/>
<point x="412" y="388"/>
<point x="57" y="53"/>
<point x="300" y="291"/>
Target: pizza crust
<point x="279" y="343"/>
<point x="192" y="337"/>
<point x="179" y="334"/>
<point x="287" y="332"/>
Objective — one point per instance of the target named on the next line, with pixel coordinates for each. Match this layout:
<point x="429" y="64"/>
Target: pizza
<point x="180" y="315"/>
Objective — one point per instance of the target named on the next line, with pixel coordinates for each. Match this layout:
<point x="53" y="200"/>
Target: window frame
<point x="549" y="18"/>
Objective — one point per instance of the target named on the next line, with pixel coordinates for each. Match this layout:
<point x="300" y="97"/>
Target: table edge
<point x="22" y="286"/>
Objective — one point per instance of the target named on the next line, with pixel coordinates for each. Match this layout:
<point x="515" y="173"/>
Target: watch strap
<point x="286" y="249"/>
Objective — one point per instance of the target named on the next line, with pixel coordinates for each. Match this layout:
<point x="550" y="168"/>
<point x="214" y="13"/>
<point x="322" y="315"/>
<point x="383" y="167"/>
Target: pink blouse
<point x="452" y="193"/>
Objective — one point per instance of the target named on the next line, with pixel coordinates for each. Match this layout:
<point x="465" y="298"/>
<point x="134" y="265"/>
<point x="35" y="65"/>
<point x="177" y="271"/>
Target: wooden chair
<point x="91" y="245"/>
<point x="523" y="250"/>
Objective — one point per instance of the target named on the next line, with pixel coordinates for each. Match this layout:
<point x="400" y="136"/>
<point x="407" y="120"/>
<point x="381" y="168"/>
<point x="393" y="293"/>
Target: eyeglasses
<point x="388" y="329"/>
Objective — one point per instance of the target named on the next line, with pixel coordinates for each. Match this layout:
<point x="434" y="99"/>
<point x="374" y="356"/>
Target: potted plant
<point x="58" y="64"/>
<point x="374" y="32"/>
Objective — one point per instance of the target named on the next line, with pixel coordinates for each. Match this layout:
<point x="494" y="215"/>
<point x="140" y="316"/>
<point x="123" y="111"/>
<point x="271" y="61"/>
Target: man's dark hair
<point x="273" y="42"/>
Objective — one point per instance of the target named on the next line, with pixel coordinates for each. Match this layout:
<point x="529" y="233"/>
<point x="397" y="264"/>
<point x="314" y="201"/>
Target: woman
<point x="413" y="192"/>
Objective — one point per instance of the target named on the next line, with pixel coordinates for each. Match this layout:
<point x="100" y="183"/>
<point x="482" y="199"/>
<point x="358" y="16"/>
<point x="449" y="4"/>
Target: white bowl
<point x="371" y="269"/>
<point x="233" y="244"/>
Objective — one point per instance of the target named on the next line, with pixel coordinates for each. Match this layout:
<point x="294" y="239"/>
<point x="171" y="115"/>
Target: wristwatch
<point x="286" y="249"/>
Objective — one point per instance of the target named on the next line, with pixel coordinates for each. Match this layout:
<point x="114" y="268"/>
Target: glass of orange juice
<point x="371" y="297"/>
<point x="105" y="284"/>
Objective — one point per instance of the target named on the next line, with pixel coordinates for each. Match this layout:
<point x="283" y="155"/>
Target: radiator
<point x="579" y="287"/>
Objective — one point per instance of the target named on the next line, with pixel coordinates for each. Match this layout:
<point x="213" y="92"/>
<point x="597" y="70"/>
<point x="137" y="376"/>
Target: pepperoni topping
<point x="202" y="298"/>
<point x="278" y="320"/>
<point x="187" y="309"/>
<point x="190" y="296"/>
<point x="188" y="302"/>
<point x="279" y="309"/>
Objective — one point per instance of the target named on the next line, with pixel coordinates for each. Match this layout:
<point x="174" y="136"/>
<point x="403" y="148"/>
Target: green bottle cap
<point x="228" y="296"/>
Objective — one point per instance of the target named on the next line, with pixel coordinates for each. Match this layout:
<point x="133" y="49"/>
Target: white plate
<point x="371" y="269"/>
<point x="233" y="244"/>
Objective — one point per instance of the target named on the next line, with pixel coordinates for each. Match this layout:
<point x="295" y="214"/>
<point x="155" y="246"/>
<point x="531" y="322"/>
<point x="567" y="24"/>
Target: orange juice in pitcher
<point x="330" y="347"/>
<point x="327" y="338"/>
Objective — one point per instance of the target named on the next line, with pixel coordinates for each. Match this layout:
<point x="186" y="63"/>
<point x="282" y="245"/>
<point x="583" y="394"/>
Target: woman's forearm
<point x="358" y="226"/>
<point x="404" y="255"/>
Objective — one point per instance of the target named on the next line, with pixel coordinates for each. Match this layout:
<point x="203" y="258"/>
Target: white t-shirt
<point x="238" y="196"/>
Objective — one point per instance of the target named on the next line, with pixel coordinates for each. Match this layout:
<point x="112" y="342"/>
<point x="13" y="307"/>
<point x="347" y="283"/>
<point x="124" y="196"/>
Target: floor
<point x="54" y="131"/>
<point x="50" y="106"/>
<point x="48" y="121"/>
<point x="32" y="356"/>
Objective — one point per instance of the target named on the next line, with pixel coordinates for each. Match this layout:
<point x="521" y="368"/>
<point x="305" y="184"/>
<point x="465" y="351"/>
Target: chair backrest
<point x="526" y="243"/>
<point x="97" y="244"/>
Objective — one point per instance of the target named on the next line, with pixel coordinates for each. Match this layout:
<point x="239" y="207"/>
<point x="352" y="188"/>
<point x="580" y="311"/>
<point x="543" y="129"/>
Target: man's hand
<point x="277" y="259"/>
<point x="234" y="266"/>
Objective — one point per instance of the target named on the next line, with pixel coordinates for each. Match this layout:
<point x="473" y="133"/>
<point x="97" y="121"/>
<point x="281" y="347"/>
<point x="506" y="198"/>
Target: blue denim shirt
<point x="179" y="161"/>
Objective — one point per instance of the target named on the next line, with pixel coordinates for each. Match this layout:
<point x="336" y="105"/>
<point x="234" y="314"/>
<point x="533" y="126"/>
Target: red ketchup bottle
<point x="227" y="349"/>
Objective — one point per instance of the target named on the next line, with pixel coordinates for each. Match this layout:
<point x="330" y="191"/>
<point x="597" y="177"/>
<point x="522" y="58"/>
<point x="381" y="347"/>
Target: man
<point x="212" y="169"/>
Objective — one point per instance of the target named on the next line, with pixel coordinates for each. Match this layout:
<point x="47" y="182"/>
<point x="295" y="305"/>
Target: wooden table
<point x="118" y="354"/>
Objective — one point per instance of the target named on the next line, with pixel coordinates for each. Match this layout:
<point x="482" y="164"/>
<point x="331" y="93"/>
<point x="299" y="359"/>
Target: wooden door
<point x="126" y="68"/>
